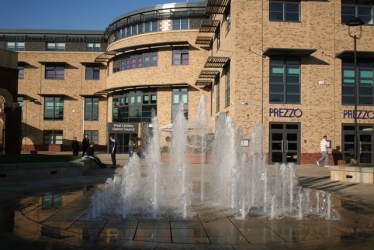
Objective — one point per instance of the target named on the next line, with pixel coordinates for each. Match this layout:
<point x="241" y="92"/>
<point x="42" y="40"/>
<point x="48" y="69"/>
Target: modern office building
<point x="292" y="65"/>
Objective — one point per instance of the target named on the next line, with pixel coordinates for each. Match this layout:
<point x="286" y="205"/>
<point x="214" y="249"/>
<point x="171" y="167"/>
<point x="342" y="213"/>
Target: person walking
<point x="113" y="149"/>
<point x="85" y="144"/>
<point x="325" y="156"/>
<point x="75" y="146"/>
<point x="91" y="155"/>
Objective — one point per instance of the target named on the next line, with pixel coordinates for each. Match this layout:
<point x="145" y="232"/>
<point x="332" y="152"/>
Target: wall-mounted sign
<point x="285" y="112"/>
<point x="244" y="143"/>
<point x="361" y="114"/>
<point x="118" y="127"/>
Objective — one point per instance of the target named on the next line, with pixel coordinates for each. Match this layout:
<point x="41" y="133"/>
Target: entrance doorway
<point x="284" y="142"/>
<point x="366" y="143"/>
<point x="122" y="140"/>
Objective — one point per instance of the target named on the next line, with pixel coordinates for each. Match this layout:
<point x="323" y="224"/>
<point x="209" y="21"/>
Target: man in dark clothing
<point x="75" y="146"/>
<point x="85" y="144"/>
<point x="91" y="154"/>
<point x="113" y="149"/>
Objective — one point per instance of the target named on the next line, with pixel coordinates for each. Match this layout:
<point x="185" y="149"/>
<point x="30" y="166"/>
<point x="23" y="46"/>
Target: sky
<point x="68" y="14"/>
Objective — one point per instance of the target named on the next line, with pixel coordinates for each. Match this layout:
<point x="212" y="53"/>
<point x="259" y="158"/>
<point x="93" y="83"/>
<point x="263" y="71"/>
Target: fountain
<point x="240" y="183"/>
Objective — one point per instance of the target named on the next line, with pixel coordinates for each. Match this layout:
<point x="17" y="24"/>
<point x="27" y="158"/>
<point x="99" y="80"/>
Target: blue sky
<point x="68" y="14"/>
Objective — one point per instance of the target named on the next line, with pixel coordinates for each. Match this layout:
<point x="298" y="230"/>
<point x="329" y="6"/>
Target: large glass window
<point x="180" y="56"/>
<point x="54" y="72"/>
<point x="135" y="60"/>
<point x="135" y="106"/>
<point x="364" y="73"/>
<point x="93" y="72"/>
<point x="285" y="80"/>
<point x="53" y="108"/>
<point x="357" y="8"/>
<point x="93" y="47"/>
<point x="56" y="46"/>
<point x="91" y="109"/>
<point x="15" y="46"/>
<point x="93" y="135"/>
<point x="180" y="22"/>
<point x="285" y="10"/>
<point x="52" y="137"/>
<point x="179" y="95"/>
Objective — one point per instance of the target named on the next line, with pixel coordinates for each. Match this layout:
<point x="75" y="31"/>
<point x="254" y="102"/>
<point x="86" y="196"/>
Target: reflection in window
<point x="285" y="82"/>
<point x="179" y="95"/>
<point x="357" y="8"/>
<point x="53" y="108"/>
<point x="52" y="137"/>
<point x="15" y="46"/>
<point x="285" y="11"/>
<point x="180" y="56"/>
<point x="91" y="109"/>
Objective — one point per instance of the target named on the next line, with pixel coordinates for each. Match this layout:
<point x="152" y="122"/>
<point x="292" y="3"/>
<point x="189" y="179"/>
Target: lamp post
<point x="355" y="22"/>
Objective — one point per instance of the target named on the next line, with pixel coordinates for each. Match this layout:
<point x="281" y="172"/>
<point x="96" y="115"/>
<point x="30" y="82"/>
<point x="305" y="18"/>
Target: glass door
<point x="284" y="142"/>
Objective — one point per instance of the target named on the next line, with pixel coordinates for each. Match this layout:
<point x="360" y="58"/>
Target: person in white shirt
<point x="325" y="156"/>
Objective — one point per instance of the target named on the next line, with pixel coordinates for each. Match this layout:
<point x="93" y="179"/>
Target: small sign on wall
<point x="244" y="143"/>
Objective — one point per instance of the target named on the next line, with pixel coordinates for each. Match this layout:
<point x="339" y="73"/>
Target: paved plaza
<point x="47" y="214"/>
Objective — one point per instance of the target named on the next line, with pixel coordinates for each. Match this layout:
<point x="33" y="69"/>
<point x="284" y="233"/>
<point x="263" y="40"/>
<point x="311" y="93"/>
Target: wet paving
<point x="56" y="220"/>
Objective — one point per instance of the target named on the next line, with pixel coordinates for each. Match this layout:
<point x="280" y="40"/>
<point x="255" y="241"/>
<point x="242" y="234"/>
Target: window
<point x="93" y="47"/>
<point x="21" y="71"/>
<point x="135" y="60"/>
<point x="285" y="80"/>
<point x="179" y="95"/>
<point x="93" y="72"/>
<point x="93" y="135"/>
<point x="135" y="106"/>
<point x="180" y="56"/>
<point x="150" y="26"/>
<point x="52" y="137"/>
<point x="227" y="87"/>
<point x="285" y="10"/>
<point x="56" y="46"/>
<point x="227" y="18"/>
<point x="180" y="22"/>
<point x="54" y="71"/>
<point x="91" y="109"/>
<point x="20" y="104"/>
<point x="15" y="46"/>
<point x="357" y="8"/>
<point x="365" y="77"/>
<point x="218" y="89"/>
<point x="53" y="108"/>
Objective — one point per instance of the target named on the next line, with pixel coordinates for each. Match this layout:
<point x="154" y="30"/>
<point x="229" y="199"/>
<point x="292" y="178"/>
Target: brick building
<point x="287" y="64"/>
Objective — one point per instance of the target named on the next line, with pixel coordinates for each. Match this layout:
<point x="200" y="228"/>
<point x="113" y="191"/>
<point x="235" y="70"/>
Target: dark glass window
<point x="53" y="108"/>
<point x="55" y="46"/>
<point x="52" y="137"/>
<point x="91" y="109"/>
<point x="54" y="71"/>
<point x="15" y="46"/>
<point x="135" y="106"/>
<point x="93" y="47"/>
<point x="21" y="71"/>
<point x="285" y="11"/>
<point x="180" y="21"/>
<point x="364" y="72"/>
<point x="135" y="60"/>
<point x="357" y="8"/>
<point x="93" y="135"/>
<point x="180" y="56"/>
<point x="285" y="82"/>
<point x="93" y="72"/>
<point x="227" y="89"/>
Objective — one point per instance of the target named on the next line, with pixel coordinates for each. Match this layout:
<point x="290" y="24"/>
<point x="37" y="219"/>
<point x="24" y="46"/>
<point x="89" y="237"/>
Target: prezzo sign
<point x="122" y="127"/>
<point x="285" y="112"/>
<point x="361" y="114"/>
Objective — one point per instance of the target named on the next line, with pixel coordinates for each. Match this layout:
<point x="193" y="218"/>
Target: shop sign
<point x="122" y="127"/>
<point x="285" y="112"/>
<point x="361" y="114"/>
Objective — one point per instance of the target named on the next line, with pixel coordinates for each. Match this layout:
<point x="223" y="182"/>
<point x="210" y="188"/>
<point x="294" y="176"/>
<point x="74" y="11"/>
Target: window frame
<point x="91" y="108"/>
<point x="92" y="47"/>
<point x="92" y="72"/>
<point x="358" y="9"/>
<point x="284" y="12"/>
<point x="283" y="86"/>
<point x="178" y="95"/>
<point x="57" y="137"/>
<point x="21" y="71"/>
<point x="18" y="46"/>
<point x="181" y="56"/>
<point x="227" y="85"/>
<point x="54" y="72"/>
<point x="53" y="108"/>
<point x="55" y="46"/>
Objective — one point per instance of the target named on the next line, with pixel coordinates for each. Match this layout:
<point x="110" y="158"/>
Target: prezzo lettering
<point x="284" y="112"/>
<point x="361" y="114"/>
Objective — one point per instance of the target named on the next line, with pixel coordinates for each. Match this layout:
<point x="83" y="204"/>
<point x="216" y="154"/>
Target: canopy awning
<point x="349" y="54"/>
<point x="288" y="52"/>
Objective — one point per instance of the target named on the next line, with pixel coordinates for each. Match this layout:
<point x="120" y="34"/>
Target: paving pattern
<point x="49" y="214"/>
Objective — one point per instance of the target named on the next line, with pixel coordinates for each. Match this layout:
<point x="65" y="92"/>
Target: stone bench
<point x="352" y="174"/>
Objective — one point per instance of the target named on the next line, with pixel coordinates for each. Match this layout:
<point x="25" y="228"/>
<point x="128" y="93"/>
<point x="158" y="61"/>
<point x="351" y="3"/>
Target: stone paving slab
<point x="61" y="227"/>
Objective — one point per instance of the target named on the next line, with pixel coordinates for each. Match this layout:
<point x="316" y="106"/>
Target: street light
<point x="355" y="22"/>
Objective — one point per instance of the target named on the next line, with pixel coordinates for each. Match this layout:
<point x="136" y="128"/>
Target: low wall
<point x="39" y="171"/>
<point x="352" y="174"/>
<point x="189" y="158"/>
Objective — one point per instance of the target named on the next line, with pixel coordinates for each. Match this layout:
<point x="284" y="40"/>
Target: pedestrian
<point x="85" y="144"/>
<point x="91" y="155"/>
<point x="113" y="149"/>
<point x="337" y="155"/>
<point x="325" y="156"/>
<point x="75" y="146"/>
